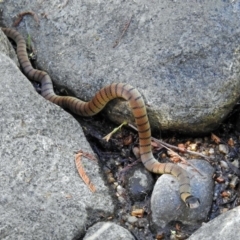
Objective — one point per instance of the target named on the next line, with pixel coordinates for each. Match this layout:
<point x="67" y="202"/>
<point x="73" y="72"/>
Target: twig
<point x="183" y="160"/>
<point x="108" y="136"/>
<point x="168" y="146"/>
<point x="123" y="32"/>
<point x="174" y="147"/>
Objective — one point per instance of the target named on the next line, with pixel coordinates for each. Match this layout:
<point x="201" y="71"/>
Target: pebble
<point x="165" y="197"/>
<point x="236" y="163"/>
<point x="193" y="147"/>
<point x="223" y="148"/>
<point x="120" y="190"/>
<point x="132" y="219"/>
<point x="223" y="164"/>
<point x="107" y="230"/>
<point x="121" y="200"/>
<point x="198" y="140"/>
<point x="211" y="151"/>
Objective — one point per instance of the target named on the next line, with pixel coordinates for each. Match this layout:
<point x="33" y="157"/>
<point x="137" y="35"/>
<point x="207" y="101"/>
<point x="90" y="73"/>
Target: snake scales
<point x="98" y="102"/>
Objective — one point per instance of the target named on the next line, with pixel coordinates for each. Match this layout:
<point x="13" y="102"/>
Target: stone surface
<point x="42" y="195"/>
<point x="139" y="182"/>
<point x="7" y="49"/>
<point x="225" y="226"/>
<point x="184" y="58"/>
<point x="166" y="205"/>
<point x="108" y="231"/>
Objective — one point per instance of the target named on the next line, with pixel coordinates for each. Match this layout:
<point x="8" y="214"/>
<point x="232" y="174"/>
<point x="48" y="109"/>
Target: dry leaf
<point x="225" y="194"/>
<point x="174" y="156"/>
<point x="88" y="155"/>
<point x="82" y="173"/>
<point x="220" y="180"/>
<point x="230" y="142"/>
<point x="127" y="140"/>
<point x="215" y="138"/>
<point x="138" y="212"/>
<point x="178" y="227"/>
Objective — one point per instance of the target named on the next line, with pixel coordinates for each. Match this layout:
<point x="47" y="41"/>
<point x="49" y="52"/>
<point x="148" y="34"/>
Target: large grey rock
<point x="223" y="227"/>
<point x="166" y="205"/>
<point x="108" y="231"/>
<point x="42" y="195"/>
<point x="183" y="56"/>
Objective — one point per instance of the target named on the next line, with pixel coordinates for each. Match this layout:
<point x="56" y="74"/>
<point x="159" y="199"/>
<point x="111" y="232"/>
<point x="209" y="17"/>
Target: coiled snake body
<point x="98" y="102"/>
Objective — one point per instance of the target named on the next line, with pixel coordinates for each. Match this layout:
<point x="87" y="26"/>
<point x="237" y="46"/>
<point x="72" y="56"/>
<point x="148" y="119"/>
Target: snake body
<point x="98" y="102"/>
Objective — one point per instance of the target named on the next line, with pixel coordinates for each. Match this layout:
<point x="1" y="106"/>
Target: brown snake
<point x="98" y="102"/>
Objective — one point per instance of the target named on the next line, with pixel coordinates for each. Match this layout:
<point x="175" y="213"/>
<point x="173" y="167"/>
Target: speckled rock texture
<point x="223" y="227"/>
<point x="166" y="205"/>
<point x="108" y="231"/>
<point x="42" y="195"/>
<point x="183" y="56"/>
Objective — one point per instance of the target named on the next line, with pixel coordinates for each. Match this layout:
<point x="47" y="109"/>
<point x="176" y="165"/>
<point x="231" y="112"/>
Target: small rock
<point x="223" y="148"/>
<point x="193" y="147"/>
<point x="121" y="199"/>
<point x="142" y="222"/>
<point x="225" y="226"/>
<point x="166" y="204"/>
<point x="236" y="163"/>
<point x="109" y="231"/>
<point x="223" y="164"/>
<point x="120" y="190"/>
<point x="139" y="183"/>
<point x="211" y="151"/>
<point x="132" y="219"/>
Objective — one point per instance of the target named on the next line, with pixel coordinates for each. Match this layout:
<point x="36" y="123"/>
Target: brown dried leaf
<point x="174" y="156"/>
<point x="127" y="140"/>
<point x="178" y="227"/>
<point x="88" y="155"/>
<point x="231" y="142"/>
<point x="82" y="173"/>
<point x="215" y="138"/>
<point x="160" y="236"/>
<point x="225" y="194"/>
<point x="220" y="180"/>
<point x="175" y="159"/>
<point x="138" y="212"/>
